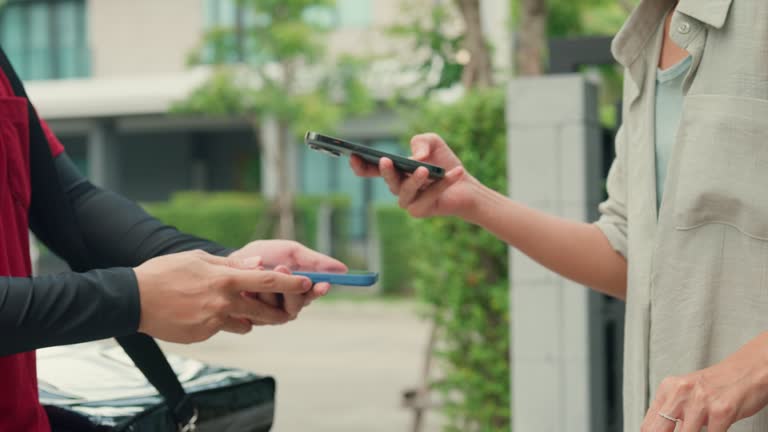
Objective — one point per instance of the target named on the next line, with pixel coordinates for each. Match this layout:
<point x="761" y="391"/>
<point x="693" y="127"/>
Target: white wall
<point x="142" y="37"/>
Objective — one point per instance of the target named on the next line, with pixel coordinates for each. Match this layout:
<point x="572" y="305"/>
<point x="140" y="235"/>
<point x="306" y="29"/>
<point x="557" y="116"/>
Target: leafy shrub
<point x="396" y="250"/>
<point x="236" y="218"/>
<point x="462" y="272"/>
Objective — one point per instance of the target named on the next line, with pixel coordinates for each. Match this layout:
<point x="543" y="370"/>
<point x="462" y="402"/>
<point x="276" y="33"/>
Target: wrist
<point x="761" y="378"/>
<point x="480" y="207"/>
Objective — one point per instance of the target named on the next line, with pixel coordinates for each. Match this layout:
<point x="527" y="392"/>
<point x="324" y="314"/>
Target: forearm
<point x="67" y="308"/>
<point x="120" y="233"/>
<point x="116" y="231"/>
<point x="576" y="250"/>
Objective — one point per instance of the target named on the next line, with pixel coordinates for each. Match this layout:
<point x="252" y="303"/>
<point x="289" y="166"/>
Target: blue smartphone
<point x="353" y="278"/>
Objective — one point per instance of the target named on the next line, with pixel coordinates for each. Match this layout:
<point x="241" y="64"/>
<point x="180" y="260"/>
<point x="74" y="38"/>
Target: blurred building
<point x="104" y="74"/>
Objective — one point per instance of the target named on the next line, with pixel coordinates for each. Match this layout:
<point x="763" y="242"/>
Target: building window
<point x="46" y="39"/>
<point x="232" y="17"/>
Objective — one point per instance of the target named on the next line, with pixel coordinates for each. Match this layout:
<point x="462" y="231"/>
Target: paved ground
<point x="340" y="368"/>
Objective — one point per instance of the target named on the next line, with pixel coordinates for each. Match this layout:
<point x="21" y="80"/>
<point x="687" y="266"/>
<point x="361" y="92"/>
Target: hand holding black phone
<point x="337" y="147"/>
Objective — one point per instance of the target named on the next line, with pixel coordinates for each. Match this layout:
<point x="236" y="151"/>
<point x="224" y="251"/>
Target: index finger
<point x="265" y="282"/>
<point x="363" y="168"/>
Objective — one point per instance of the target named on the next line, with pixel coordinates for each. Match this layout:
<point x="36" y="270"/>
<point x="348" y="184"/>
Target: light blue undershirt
<point x="669" y="107"/>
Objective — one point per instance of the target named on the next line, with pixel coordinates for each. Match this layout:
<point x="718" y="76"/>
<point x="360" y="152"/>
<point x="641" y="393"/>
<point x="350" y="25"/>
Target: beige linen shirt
<point x="698" y="270"/>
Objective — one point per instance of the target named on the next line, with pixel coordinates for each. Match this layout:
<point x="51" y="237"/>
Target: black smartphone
<point x="337" y="147"/>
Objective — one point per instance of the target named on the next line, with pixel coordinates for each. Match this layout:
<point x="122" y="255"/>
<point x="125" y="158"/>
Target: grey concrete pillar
<point x="103" y="155"/>
<point x="554" y="154"/>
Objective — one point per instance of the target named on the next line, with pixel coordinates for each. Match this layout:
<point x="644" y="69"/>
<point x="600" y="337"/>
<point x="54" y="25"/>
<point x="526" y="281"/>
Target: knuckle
<point x="680" y="387"/>
<point x="686" y="384"/>
<point x="268" y="281"/>
<point x="219" y="305"/>
<point x="280" y="317"/>
<point x="701" y="392"/>
<point x="669" y="383"/>
<point x="721" y="410"/>
<point x="224" y="280"/>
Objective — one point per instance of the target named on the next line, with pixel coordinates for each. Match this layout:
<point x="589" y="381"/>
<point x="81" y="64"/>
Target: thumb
<point x="422" y="146"/>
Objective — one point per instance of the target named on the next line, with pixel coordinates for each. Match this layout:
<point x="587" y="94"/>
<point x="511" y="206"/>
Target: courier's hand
<point x="284" y="255"/>
<point x="190" y="296"/>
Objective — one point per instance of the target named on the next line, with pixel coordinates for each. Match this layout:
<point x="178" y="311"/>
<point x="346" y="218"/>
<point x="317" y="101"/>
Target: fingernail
<point x="307" y="284"/>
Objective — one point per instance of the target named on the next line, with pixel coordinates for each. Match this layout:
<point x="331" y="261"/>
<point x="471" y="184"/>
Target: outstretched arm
<point x="590" y="254"/>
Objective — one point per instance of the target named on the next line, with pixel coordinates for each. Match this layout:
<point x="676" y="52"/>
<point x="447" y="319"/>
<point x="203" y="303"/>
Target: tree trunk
<point x="286" y="224"/>
<point x="479" y="71"/>
<point x="532" y="37"/>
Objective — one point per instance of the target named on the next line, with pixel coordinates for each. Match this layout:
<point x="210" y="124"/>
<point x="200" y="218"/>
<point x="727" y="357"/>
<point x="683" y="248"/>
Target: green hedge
<point x="396" y="250"/>
<point x="461" y="271"/>
<point x="236" y="218"/>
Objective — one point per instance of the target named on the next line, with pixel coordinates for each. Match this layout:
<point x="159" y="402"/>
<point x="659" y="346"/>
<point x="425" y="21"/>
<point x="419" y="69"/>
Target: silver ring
<point x="669" y="417"/>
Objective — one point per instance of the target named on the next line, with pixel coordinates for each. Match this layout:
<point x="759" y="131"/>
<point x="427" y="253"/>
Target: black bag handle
<point x="142" y="349"/>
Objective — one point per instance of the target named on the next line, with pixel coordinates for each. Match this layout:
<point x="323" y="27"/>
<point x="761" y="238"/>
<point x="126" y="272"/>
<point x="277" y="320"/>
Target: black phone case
<point x="337" y="147"/>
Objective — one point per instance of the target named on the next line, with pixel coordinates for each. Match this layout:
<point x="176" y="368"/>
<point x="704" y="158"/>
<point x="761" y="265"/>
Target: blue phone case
<point x="347" y="279"/>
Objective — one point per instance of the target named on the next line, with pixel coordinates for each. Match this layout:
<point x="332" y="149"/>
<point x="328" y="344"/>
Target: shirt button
<point x="684" y="28"/>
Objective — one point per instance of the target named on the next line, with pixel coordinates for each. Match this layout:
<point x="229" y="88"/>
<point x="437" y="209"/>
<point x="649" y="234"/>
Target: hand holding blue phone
<point x="353" y="278"/>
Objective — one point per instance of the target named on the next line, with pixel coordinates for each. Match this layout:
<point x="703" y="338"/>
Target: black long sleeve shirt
<point x="36" y="312"/>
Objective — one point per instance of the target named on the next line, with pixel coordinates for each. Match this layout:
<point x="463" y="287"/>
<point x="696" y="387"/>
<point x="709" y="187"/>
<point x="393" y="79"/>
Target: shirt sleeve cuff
<point x="122" y="302"/>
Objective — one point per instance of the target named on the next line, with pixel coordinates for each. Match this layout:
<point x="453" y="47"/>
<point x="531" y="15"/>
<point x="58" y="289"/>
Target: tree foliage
<point x="273" y="61"/>
<point x="269" y="60"/>
<point x="447" y="53"/>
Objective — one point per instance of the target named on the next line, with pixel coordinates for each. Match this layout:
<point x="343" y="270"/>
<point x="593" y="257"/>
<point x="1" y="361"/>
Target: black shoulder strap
<point x="149" y="358"/>
<point x="142" y="349"/>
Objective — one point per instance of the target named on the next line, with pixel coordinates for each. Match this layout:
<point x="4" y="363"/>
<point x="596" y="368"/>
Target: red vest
<point x="20" y="410"/>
